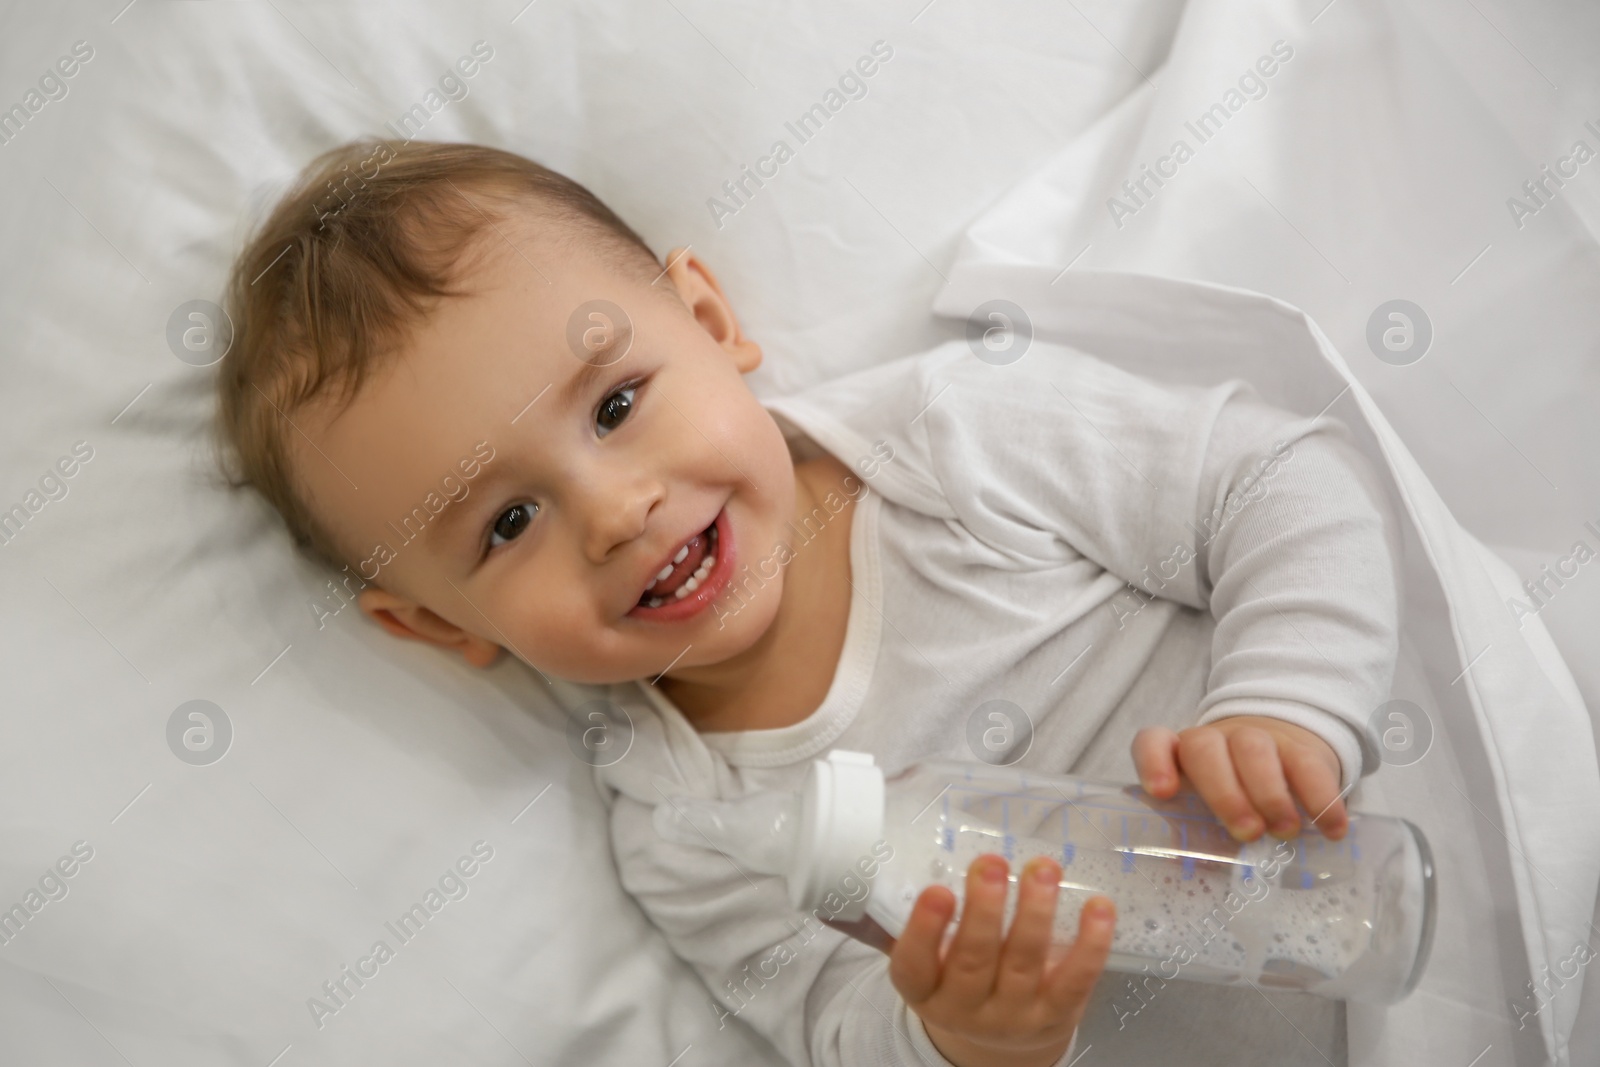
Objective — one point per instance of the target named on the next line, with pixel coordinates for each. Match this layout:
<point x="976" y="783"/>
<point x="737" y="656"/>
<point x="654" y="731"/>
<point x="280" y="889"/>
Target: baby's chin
<point x="710" y="645"/>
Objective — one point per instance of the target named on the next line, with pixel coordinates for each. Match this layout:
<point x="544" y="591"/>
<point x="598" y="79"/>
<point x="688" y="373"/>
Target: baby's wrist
<point x="964" y="1052"/>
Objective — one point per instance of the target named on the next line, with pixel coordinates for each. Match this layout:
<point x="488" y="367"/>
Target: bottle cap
<point x="841" y="818"/>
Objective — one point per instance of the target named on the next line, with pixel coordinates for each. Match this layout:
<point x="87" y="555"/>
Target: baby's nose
<point x="616" y="519"/>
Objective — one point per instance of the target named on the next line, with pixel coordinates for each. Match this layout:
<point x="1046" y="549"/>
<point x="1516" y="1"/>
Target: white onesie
<point x="1097" y="550"/>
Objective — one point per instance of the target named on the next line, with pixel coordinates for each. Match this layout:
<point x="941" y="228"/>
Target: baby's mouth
<point x="691" y="566"/>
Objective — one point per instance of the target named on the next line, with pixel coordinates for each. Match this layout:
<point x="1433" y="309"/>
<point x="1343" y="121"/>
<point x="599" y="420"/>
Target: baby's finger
<point x="1317" y="786"/>
<point x="1155" y="757"/>
<point x="1260" y="771"/>
<point x="969" y="966"/>
<point x="1068" y="985"/>
<point x="1022" y="959"/>
<point x="914" y="960"/>
<point x="1209" y="765"/>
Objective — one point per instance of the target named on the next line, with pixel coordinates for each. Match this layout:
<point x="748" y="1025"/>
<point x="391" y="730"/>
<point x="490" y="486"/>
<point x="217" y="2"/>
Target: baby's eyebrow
<point x="599" y="360"/>
<point x="439" y="532"/>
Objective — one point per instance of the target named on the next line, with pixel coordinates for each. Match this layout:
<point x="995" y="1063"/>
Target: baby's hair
<point x="369" y="238"/>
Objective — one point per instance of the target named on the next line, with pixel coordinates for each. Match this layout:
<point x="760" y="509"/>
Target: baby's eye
<point x="511" y="523"/>
<point x="614" y="409"/>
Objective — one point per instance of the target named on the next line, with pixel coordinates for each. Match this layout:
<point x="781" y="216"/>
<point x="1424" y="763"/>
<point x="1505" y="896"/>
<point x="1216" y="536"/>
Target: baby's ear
<point x="409" y="620"/>
<point x="701" y="292"/>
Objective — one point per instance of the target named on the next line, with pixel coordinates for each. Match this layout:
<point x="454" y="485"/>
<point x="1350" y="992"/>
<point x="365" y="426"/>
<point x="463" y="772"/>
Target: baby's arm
<point x="1211" y="498"/>
<point x="1302" y="582"/>
<point x="992" y="1003"/>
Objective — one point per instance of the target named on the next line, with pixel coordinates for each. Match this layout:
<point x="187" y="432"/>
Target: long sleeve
<point x="1206" y="496"/>
<point x="820" y="997"/>
<point x="1299" y="567"/>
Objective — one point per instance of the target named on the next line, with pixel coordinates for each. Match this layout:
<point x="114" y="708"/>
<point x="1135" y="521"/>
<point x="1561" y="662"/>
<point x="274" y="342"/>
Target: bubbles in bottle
<point x="1202" y="916"/>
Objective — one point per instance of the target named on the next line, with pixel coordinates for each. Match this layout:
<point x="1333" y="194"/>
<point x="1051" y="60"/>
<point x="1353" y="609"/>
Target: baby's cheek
<point x="574" y="643"/>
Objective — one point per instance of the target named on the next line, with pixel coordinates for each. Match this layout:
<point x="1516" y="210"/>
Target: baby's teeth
<point x="696" y="579"/>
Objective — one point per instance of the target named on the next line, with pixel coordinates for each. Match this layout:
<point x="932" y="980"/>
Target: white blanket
<point x="1512" y="767"/>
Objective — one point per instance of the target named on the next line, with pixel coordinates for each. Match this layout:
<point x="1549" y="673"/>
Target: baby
<point x="462" y="378"/>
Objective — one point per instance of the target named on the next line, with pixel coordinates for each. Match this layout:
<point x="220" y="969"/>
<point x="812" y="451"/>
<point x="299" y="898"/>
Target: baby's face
<point x="595" y="479"/>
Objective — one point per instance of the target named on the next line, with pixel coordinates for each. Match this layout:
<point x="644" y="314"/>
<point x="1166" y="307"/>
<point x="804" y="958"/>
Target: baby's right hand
<point x="988" y="1004"/>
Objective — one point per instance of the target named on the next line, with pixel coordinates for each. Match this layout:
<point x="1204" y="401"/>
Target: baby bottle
<point x="1349" y="919"/>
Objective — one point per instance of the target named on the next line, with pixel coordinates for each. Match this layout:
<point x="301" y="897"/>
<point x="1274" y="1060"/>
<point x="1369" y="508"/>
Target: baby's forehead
<point x="523" y="233"/>
<point x="557" y="275"/>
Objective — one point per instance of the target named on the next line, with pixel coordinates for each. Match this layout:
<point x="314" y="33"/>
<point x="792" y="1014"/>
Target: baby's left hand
<point x="1250" y="770"/>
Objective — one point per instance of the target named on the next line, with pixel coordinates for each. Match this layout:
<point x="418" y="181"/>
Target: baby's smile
<point x="693" y="577"/>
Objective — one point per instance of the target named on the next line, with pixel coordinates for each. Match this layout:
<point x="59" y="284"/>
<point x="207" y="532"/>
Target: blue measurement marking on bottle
<point x="1355" y="852"/>
<point x="1068" y="850"/>
<point x="1188" y="860"/>
<point x="1305" y="879"/>
<point x="1127" y="853"/>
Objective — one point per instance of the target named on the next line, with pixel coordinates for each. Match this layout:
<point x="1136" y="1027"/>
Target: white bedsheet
<point x="220" y="898"/>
